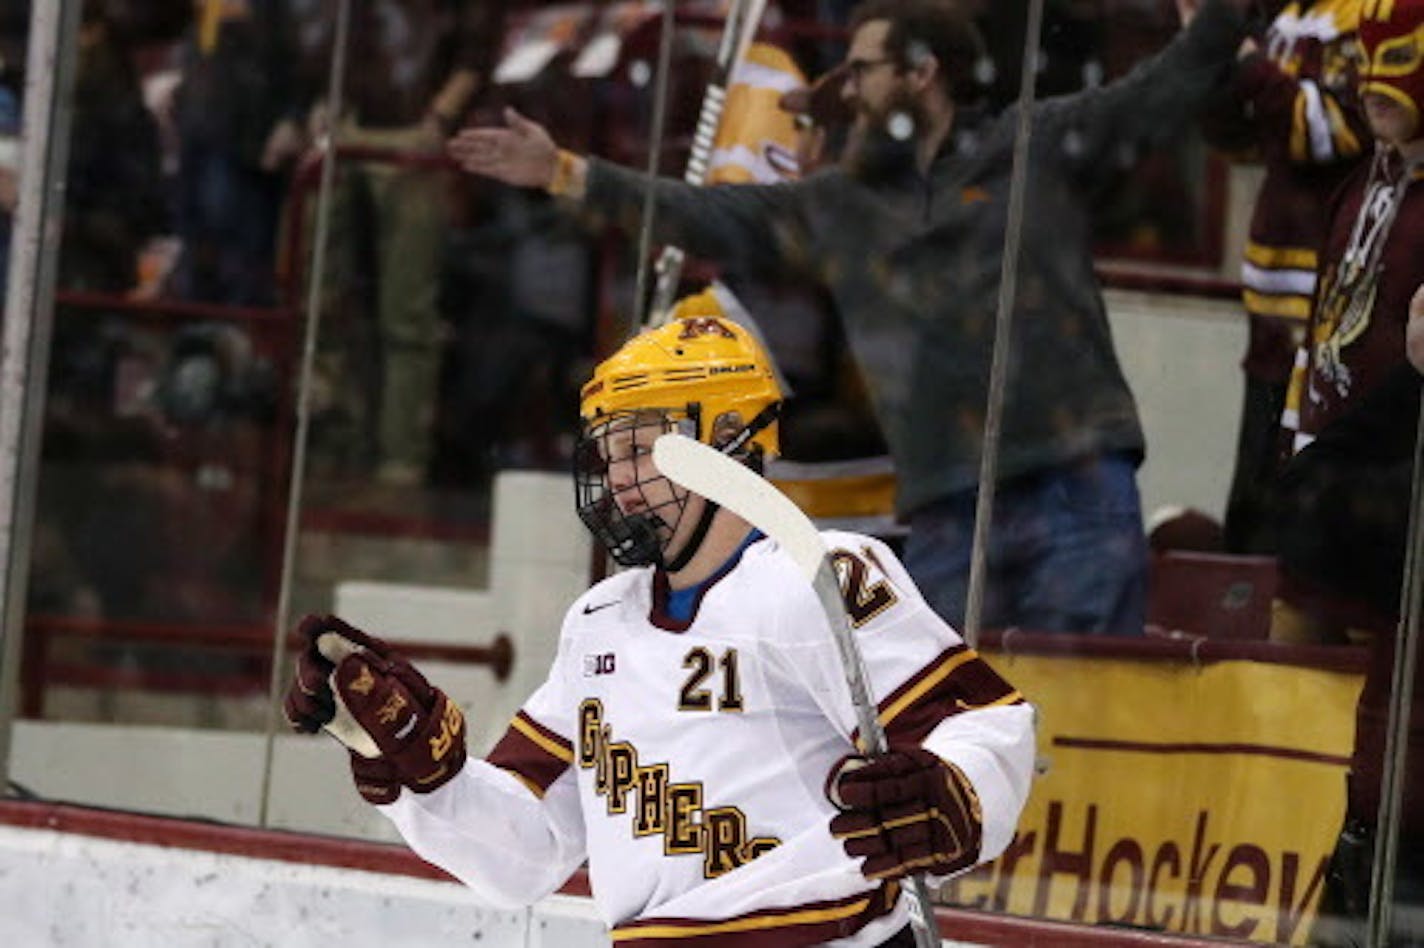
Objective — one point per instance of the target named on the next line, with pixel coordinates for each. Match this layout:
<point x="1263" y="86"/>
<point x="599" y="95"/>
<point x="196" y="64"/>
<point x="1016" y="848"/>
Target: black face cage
<point x="640" y="537"/>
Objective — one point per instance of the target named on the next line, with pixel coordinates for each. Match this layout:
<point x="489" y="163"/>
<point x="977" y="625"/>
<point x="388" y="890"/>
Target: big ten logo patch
<point x="603" y="663"/>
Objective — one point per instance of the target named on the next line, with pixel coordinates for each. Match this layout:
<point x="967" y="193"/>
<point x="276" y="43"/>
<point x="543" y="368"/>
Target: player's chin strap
<point x="764" y="419"/>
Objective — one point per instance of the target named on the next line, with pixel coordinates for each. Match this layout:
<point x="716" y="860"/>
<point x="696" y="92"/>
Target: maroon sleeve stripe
<point x="958" y="680"/>
<point x="532" y="752"/>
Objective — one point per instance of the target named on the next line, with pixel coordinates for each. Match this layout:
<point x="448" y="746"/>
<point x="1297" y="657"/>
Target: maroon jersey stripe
<point x="532" y="752"/>
<point x="803" y="925"/>
<point x="958" y="680"/>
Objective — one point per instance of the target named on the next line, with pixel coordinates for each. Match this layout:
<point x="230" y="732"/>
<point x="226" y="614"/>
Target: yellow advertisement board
<point x="1191" y="799"/>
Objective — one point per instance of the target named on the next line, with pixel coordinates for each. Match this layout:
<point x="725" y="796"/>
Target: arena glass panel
<point x="166" y="435"/>
<point x="1168" y="760"/>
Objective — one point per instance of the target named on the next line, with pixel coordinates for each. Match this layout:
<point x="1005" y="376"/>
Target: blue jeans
<point x="1066" y="551"/>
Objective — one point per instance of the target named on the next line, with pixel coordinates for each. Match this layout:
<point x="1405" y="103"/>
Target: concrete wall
<point x="67" y="891"/>
<point x="1182" y="357"/>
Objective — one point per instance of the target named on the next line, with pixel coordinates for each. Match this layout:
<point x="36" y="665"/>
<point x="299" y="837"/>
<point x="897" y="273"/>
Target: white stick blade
<point x="706" y="471"/>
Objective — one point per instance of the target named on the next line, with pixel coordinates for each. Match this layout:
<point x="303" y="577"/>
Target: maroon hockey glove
<point x="310" y="705"/>
<point x="906" y="812"/>
<point x="400" y="730"/>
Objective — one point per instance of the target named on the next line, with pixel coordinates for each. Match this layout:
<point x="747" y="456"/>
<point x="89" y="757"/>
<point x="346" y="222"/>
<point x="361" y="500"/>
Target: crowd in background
<point x="459" y="316"/>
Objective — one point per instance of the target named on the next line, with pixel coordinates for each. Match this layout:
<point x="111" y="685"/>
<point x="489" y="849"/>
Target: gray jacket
<point x="913" y="264"/>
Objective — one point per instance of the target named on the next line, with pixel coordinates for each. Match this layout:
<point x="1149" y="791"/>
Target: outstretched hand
<point x="522" y="153"/>
<point x="1414" y="331"/>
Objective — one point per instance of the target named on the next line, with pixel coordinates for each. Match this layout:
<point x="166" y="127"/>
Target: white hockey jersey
<point x="686" y="761"/>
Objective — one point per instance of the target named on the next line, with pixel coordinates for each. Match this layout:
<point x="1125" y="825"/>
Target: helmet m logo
<point x="704" y="326"/>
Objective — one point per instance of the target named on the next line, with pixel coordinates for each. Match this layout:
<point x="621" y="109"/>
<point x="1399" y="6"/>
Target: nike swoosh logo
<point x="589" y="610"/>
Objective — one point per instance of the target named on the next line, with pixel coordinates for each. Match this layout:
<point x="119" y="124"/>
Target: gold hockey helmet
<point x="700" y="365"/>
<point x="701" y="374"/>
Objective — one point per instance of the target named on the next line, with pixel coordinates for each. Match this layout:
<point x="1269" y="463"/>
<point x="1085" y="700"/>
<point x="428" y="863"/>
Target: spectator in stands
<point x="828" y="419"/>
<point x="237" y="115"/>
<point x="1369" y="267"/>
<point x="1353" y="406"/>
<point x="907" y="233"/>
<point x="517" y="280"/>
<point x="414" y="69"/>
<point x="835" y="465"/>
<point x="1291" y="104"/>
<point x="114" y="195"/>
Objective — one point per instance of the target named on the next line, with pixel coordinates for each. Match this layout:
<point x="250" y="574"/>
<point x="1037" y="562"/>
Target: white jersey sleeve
<point x="508" y="826"/>
<point x="930" y="688"/>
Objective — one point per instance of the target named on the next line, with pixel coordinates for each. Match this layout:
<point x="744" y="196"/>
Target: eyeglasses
<point x="857" y="68"/>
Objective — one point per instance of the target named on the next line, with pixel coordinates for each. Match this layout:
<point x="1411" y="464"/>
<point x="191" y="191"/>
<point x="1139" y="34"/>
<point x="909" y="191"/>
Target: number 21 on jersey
<point x="718" y="671"/>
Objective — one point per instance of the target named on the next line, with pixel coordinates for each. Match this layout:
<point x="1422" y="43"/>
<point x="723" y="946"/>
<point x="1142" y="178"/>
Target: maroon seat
<point x="1211" y="594"/>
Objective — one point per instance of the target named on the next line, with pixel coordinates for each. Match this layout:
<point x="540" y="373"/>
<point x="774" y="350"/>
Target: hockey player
<point x="694" y="740"/>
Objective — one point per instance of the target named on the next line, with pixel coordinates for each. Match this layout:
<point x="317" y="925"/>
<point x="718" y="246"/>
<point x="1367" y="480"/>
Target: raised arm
<point x="509" y="827"/>
<point x="757" y="228"/>
<point x="1152" y="102"/>
<point x="521" y="154"/>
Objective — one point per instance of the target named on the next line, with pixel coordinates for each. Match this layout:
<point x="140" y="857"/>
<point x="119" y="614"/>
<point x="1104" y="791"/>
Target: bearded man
<point x="907" y="234"/>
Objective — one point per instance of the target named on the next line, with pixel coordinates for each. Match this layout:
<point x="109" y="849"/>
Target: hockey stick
<point x="1003" y="333"/>
<point x="655" y="151"/>
<point x="724" y="481"/>
<point x="741" y="26"/>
